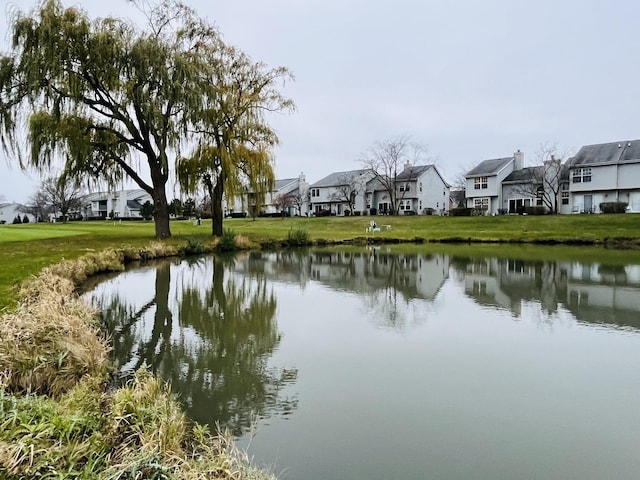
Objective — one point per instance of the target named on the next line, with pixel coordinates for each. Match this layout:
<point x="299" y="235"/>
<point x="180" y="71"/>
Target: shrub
<point x="357" y="213"/>
<point x="323" y="213"/>
<point x="25" y="219"/>
<point x="193" y="247"/>
<point x="16" y="220"/>
<point x="613" y="207"/>
<point x="460" y="212"/>
<point x="536" y="210"/>
<point x="298" y="237"/>
<point x="227" y="241"/>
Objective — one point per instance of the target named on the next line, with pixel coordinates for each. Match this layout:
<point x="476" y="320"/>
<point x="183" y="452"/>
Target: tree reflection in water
<point x="211" y="337"/>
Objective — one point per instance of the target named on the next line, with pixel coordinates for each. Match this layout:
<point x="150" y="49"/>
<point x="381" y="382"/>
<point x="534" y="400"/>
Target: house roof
<point x="280" y="184"/>
<point x="627" y="151"/>
<point x="527" y="174"/>
<point x="133" y="204"/>
<point x="489" y="167"/>
<point x="413" y="172"/>
<point x="339" y="178"/>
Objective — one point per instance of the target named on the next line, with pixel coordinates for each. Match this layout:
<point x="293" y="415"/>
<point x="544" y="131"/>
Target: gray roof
<point x="339" y="178"/>
<point x="627" y="151"/>
<point x="413" y="172"/>
<point x="280" y="184"/>
<point x="489" y="167"/>
<point x="133" y="204"/>
<point x="527" y="174"/>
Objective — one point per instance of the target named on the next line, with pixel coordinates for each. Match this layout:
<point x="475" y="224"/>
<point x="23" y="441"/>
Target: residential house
<point x="10" y="210"/>
<point x="606" y="172"/>
<point x="288" y="194"/>
<point x="484" y="183"/>
<point x="340" y="192"/>
<point x="114" y="204"/>
<point x="421" y="189"/>
<point x="522" y="188"/>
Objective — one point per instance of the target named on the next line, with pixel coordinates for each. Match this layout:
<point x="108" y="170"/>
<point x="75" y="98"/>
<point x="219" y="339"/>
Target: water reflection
<point x="289" y="344"/>
<point x="207" y="332"/>
<point x="387" y="281"/>
<point x="592" y="292"/>
<point x="209" y="325"/>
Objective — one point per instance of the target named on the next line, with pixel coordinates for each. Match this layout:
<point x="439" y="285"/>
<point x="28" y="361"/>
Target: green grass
<point x="26" y="249"/>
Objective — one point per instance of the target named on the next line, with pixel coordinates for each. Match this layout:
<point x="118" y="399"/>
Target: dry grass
<point x="50" y="342"/>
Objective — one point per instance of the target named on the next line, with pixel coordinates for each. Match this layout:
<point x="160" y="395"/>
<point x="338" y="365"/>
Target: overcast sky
<point x="470" y="79"/>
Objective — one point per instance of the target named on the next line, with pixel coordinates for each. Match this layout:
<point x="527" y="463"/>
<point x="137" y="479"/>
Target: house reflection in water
<point x="593" y="293"/>
<point x="414" y="275"/>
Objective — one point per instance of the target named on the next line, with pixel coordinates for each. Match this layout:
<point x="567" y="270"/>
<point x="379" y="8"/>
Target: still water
<point x="382" y="364"/>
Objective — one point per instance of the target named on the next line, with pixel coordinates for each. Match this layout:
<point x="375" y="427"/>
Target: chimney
<point x="301" y="177"/>
<point x="518" y="160"/>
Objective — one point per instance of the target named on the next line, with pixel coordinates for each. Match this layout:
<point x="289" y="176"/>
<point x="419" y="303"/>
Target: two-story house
<point x="116" y="204"/>
<point x="605" y="172"/>
<point x="340" y="192"/>
<point x="484" y="183"/>
<point x="289" y="195"/>
<point x="421" y="189"/>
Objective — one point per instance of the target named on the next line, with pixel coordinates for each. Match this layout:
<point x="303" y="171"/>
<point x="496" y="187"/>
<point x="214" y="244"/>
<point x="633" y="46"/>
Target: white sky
<point x="470" y="79"/>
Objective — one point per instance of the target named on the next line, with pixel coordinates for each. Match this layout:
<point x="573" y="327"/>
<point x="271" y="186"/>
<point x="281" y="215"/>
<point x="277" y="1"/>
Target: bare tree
<point x="282" y="202"/>
<point x="347" y="189"/>
<point x="298" y="200"/>
<point x="388" y="159"/>
<point x="39" y="205"/>
<point x="61" y="195"/>
<point x="544" y="180"/>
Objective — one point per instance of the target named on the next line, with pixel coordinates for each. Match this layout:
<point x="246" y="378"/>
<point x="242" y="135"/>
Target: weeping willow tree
<point x="231" y="171"/>
<point x="112" y="99"/>
<point x="234" y="158"/>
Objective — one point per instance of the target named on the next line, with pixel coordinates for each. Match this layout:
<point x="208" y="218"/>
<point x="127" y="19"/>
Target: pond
<point x="387" y="362"/>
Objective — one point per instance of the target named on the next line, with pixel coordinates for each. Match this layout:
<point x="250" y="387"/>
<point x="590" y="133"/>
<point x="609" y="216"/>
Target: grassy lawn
<point x="26" y="249"/>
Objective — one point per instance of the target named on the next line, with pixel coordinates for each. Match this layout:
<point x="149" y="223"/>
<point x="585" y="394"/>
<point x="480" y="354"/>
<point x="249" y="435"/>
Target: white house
<point x="421" y="189"/>
<point x="340" y="192"/>
<point x="606" y="172"/>
<point x="9" y="211"/>
<point x="484" y="183"/>
<point x="292" y="193"/>
<point x="116" y="204"/>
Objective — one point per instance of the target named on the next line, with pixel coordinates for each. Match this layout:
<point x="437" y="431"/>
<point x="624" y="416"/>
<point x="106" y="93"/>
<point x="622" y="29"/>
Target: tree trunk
<point x="216" y="208"/>
<point x="161" y="211"/>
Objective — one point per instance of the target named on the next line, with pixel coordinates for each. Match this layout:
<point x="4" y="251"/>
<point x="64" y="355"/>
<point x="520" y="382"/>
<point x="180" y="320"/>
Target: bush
<point x="460" y="212"/>
<point x="613" y="207"/>
<point x="238" y="214"/>
<point x="323" y="213"/>
<point x="193" y="247"/>
<point x="16" y="220"/>
<point x="536" y="210"/>
<point x="25" y="219"/>
<point x="227" y="241"/>
<point x="373" y="211"/>
<point x="357" y="213"/>
<point x="298" y="237"/>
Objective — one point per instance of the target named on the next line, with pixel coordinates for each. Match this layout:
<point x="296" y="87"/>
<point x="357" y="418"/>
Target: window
<point x="480" y="182"/>
<point x="565" y="198"/>
<point x="481" y="203"/>
<point x="405" y="188"/>
<point x="581" y="175"/>
<point x="420" y="186"/>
